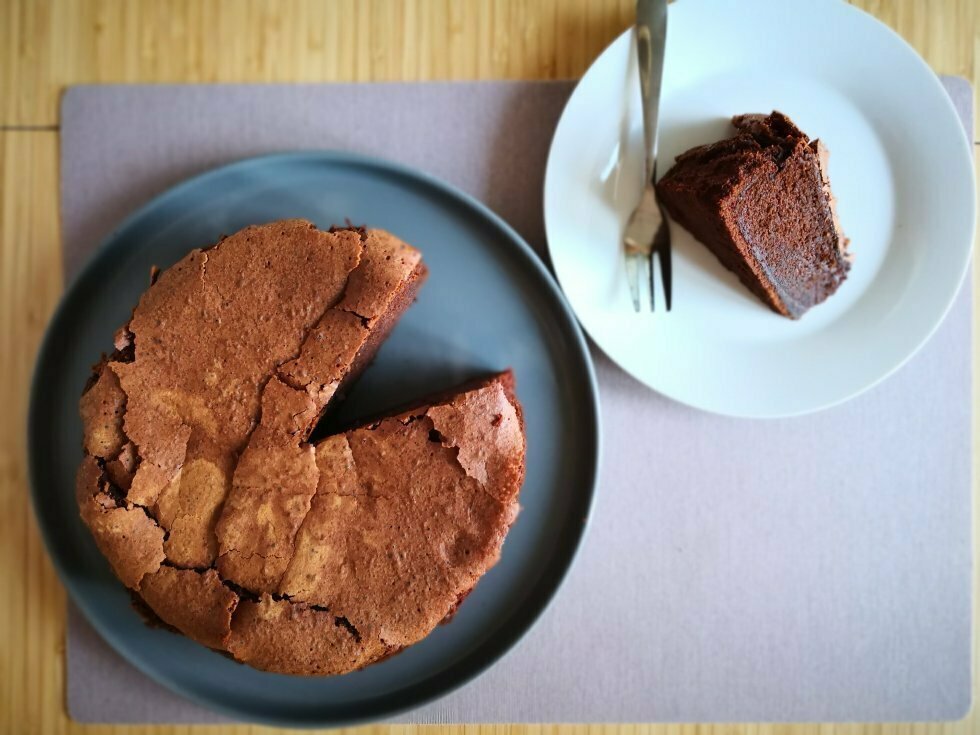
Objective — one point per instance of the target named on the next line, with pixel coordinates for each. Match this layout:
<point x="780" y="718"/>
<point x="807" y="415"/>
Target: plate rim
<point x="966" y="153"/>
<point x="493" y="648"/>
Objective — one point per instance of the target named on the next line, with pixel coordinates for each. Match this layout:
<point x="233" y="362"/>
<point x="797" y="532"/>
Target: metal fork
<point x="647" y="231"/>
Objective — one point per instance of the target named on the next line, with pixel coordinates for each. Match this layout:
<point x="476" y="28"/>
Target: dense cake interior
<point x="761" y="202"/>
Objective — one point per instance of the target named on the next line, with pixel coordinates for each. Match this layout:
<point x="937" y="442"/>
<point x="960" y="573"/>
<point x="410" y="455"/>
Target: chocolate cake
<point x="200" y="487"/>
<point x="761" y="202"/>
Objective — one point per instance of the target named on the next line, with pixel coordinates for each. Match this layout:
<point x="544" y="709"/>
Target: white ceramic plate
<point x="900" y="166"/>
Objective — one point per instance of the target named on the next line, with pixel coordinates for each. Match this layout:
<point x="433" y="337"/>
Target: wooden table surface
<point x="46" y="45"/>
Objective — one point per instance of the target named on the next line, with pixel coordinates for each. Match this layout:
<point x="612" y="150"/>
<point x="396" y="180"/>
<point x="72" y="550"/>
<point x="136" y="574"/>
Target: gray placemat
<point x="809" y="569"/>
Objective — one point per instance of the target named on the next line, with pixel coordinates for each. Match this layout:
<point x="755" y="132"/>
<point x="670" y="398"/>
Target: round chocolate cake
<point x="201" y="488"/>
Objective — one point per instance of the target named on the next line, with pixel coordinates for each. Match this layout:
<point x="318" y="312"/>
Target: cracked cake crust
<point x="200" y="487"/>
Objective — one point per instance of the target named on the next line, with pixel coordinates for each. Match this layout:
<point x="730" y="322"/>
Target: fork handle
<point x="651" y="37"/>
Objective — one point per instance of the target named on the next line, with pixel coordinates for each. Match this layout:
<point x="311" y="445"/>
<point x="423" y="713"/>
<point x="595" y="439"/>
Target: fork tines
<point x="647" y="233"/>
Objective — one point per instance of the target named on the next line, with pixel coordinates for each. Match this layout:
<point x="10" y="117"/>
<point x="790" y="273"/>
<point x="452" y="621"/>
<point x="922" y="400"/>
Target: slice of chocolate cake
<point x="761" y="202"/>
<point x="202" y="490"/>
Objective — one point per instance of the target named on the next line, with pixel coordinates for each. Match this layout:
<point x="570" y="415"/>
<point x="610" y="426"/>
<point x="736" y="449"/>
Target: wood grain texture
<point x="46" y="45"/>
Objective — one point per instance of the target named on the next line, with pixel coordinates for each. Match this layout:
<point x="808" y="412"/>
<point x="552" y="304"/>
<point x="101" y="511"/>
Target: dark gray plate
<point x="488" y="304"/>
